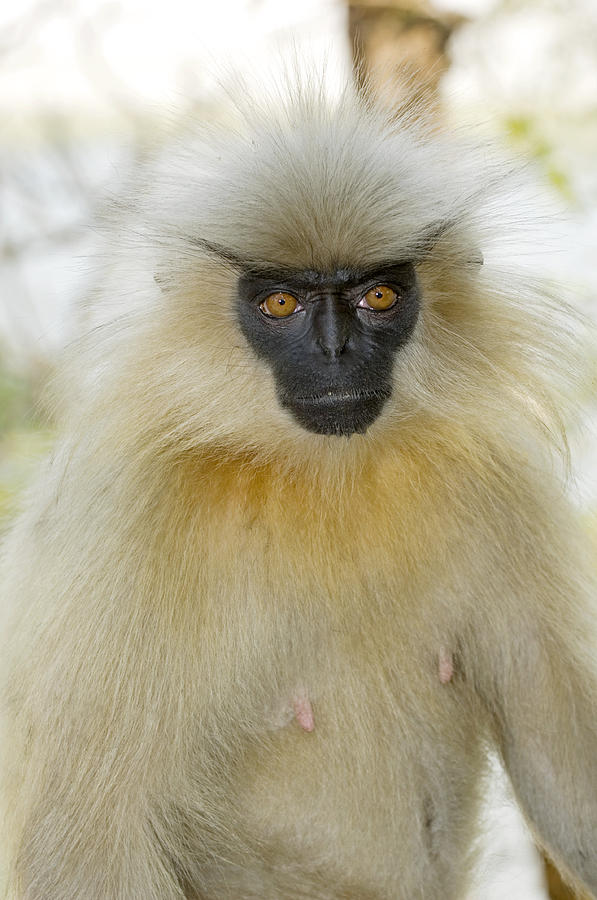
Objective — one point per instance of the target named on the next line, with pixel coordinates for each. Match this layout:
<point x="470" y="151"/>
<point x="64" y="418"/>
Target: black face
<point x="330" y="340"/>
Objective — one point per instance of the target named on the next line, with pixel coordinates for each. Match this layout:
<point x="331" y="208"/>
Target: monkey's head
<point x="319" y="282"/>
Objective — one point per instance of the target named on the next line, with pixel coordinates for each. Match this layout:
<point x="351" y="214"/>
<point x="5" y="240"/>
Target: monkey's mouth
<point x="339" y="413"/>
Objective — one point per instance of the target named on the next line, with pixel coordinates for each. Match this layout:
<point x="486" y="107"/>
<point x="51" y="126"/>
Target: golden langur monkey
<point x="300" y="557"/>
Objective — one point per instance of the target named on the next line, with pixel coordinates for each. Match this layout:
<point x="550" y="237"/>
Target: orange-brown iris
<point x="380" y="297"/>
<point x="279" y="305"/>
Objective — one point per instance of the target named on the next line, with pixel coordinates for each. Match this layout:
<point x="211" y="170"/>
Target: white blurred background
<point x="87" y="87"/>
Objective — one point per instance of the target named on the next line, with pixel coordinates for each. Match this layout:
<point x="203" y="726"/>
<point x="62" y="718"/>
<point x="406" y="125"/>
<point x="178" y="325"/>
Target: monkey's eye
<point x="279" y="305"/>
<point x="379" y="297"/>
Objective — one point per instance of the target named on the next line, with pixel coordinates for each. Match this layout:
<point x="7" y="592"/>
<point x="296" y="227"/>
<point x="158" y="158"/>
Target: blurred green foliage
<point x="16" y="400"/>
<point x="24" y="438"/>
<point x="525" y="133"/>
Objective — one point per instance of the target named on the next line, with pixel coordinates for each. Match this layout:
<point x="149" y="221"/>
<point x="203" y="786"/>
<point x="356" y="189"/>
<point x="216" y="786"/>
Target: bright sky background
<point x="157" y="51"/>
<point x="154" y="50"/>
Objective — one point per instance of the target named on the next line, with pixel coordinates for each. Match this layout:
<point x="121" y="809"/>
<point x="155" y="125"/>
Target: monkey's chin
<point x="339" y="414"/>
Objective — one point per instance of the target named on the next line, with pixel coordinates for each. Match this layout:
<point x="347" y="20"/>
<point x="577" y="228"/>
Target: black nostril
<point x="332" y="349"/>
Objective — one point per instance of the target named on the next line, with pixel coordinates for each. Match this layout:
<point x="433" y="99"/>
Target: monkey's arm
<point x="534" y="664"/>
<point x="93" y="702"/>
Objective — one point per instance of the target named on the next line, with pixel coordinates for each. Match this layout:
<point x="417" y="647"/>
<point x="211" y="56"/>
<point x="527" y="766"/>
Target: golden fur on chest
<point x="336" y="606"/>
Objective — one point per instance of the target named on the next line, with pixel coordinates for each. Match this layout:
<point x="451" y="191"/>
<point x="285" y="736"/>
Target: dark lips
<point x="337" y="412"/>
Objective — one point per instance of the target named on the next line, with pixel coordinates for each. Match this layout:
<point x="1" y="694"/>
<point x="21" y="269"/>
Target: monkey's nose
<point x="332" y="347"/>
<point x="331" y="327"/>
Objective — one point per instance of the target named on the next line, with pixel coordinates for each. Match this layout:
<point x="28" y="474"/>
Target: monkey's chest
<point x="356" y="744"/>
<point x="366" y="771"/>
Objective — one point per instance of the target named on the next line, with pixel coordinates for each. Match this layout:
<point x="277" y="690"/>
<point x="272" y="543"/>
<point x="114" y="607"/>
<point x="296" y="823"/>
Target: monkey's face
<point x="330" y="339"/>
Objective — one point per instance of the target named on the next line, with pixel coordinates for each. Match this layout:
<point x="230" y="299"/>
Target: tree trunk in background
<point x="400" y="46"/>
